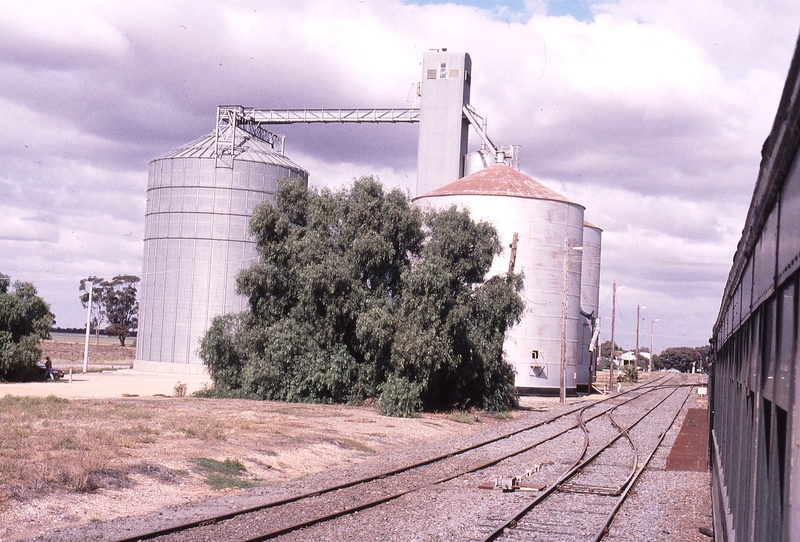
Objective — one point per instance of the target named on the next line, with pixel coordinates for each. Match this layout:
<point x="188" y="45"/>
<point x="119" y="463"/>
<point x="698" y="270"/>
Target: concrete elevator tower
<point x="443" y="129"/>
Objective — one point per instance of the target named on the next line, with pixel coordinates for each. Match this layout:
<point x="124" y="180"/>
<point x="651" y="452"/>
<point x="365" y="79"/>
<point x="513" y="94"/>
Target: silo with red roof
<point x="548" y="226"/>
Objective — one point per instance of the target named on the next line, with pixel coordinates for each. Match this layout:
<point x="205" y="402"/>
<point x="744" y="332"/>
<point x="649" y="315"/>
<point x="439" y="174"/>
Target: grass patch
<point x="130" y="410"/>
<point x="228" y="467"/>
<point x="462" y="416"/>
<point x="223" y="474"/>
<point x="203" y="431"/>
<point x="157" y="472"/>
<point x="179" y="390"/>
<point x="33" y="407"/>
<point x="85" y="473"/>
<point x="505" y="415"/>
<point x="221" y="481"/>
<point x="68" y="443"/>
<point x="351" y="444"/>
<point x="140" y="434"/>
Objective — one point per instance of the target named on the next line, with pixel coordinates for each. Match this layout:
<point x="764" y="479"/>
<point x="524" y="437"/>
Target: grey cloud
<point x="681" y="168"/>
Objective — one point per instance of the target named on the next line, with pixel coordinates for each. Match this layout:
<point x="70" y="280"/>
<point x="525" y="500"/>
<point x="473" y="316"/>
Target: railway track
<point x="300" y="516"/>
<point x="583" y="502"/>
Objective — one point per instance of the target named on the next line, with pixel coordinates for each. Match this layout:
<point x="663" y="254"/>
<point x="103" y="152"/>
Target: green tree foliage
<point x="358" y="295"/>
<point x="682" y="358"/>
<point x="97" y="314"/>
<point x="605" y="353"/>
<point x="25" y="319"/>
<point x="706" y="357"/>
<point x="643" y="360"/>
<point x="121" y="306"/>
<point x="629" y="373"/>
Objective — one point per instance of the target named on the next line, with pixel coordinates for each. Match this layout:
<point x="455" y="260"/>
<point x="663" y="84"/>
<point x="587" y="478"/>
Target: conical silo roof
<point x="498" y="180"/>
<point x="248" y="148"/>
<point x="587" y="224"/>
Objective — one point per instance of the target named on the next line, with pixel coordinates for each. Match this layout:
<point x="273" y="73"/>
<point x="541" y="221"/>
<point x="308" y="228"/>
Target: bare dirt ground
<point x="114" y="444"/>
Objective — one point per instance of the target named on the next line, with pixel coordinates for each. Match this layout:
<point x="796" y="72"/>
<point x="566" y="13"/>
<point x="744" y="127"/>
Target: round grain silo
<point x="542" y="220"/>
<point x="197" y="240"/>
<point x="590" y="303"/>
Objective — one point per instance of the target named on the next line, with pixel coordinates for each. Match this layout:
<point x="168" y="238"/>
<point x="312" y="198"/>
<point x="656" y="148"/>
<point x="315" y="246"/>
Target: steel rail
<point x="635" y="455"/>
<point x="655" y="386"/>
<point x="613" y="514"/>
<point x="274" y="504"/>
<point x="622" y="432"/>
<point x="494" y="535"/>
<point x="397" y="495"/>
<point x="345" y="485"/>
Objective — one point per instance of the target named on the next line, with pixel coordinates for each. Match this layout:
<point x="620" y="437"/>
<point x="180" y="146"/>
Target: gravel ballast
<point x="662" y="506"/>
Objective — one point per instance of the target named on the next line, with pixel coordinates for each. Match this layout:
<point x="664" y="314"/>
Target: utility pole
<point x="513" y="259"/>
<point x="88" y="320"/>
<point x="636" y="356"/>
<point x="597" y="351"/>
<point x="562" y="386"/>
<point x="611" y="354"/>
<point x="650" y="367"/>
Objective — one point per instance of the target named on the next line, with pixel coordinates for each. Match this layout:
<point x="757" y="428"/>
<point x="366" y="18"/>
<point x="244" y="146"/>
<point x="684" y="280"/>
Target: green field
<point x="80" y="338"/>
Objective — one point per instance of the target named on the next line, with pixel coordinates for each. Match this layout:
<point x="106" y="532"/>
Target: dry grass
<point x="462" y="416"/>
<point x="48" y="444"/>
<point x="152" y="452"/>
<point x="105" y="355"/>
<point x="87" y="460"/>
<point x="229" y="473"/>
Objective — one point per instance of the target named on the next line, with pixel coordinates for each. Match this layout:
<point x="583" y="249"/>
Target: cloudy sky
<point x="651" y="114"/>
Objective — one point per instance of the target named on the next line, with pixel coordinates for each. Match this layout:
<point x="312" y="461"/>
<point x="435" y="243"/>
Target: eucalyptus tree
<point x="121" y="306"/>
<point x="97" y="313"/>
<point x="358" y="295"/>
<point x="25" y="319"/>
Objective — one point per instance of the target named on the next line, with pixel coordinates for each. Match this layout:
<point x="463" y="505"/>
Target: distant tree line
<point x="684" y="358"/>
<point x="82" y="330"/>
<point x="680" y="358"/>
<point x="25" y="319"/>
<point x="113" y="301"/>
<point x="358" y="295"/>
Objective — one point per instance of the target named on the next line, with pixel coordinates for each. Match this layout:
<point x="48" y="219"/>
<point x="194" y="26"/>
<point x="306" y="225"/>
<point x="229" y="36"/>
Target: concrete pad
<point x="107" y="384"/>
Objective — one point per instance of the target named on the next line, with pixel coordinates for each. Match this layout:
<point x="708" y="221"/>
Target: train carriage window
<point x="786" y="327"/>
<point x="736" y="355"/>
<point x="789" y="240"/>
<point x="754" y="355"/>
<point x="780" y="419"/>
<point x="768" y="346"/>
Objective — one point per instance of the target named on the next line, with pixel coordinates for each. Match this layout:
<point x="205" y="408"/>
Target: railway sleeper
<point x="593" y="490"/>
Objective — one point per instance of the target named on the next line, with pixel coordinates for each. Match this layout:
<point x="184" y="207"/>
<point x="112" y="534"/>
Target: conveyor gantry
<point x="252" y="121"/>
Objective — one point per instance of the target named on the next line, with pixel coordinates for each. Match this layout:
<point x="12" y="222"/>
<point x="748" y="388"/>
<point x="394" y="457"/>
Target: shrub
<point x="179" y="390"/>
<point x="25" y="319"/>
<point x="630" y="373"/>
<point x="357" y="295"/>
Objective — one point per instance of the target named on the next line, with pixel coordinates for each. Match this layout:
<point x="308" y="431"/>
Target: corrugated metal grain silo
<point x="542" y="219"/>
<point x="590" y="302"/>
<point x="197" y="240"/>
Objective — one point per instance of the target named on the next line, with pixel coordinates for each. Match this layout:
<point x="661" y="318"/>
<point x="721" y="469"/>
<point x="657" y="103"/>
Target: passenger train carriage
<point x="755" y="421"/>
